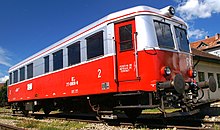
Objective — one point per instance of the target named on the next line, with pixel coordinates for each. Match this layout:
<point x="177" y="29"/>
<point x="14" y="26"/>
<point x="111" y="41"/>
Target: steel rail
<point x="9" y="127"/>
<point x="142" y="121"/>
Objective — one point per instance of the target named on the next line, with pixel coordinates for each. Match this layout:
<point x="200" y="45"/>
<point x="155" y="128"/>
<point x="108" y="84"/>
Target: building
<point x="206" y="58"/>
<point x="207" y="65"/>
<point x="209" y="44"/>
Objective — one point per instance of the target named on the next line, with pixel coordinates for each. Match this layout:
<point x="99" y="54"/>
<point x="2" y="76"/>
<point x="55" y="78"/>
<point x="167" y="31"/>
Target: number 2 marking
<point x="99" y="73"/>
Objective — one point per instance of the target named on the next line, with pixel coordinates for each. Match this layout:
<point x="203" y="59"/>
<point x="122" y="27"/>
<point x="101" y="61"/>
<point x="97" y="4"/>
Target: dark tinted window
<point x="46" y="64"/>
<point x="201" y="76"/>
<point x="58" y="60"/>
<point x="125" y="33"/>
<point x="182" y="40"/>
<point x="22" y="73"/>
<point x="30" y="71"/>
<point x="218" y="80"/>
<point x="95" y="45"/>
<point x="10" y="78"/>
<point x="74" y="54"/>
<point x="210" y="74"/>
<point x="164" y="35"/>
<point x="15" y="76"/>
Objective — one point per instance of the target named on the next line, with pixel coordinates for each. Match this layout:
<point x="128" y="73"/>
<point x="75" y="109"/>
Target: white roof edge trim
<point x="95" y="25"/>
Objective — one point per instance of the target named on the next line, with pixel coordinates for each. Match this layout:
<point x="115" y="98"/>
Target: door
<point x="126" y="51"/>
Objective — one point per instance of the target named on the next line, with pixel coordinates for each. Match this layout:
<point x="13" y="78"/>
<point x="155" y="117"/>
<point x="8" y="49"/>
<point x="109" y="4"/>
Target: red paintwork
<point x="55" y="85"/>
<point x="87" y="78"/>
<point x="125" y="59"/>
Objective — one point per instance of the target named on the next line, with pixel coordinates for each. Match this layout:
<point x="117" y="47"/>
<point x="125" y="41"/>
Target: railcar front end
<point x="154" y="64"/>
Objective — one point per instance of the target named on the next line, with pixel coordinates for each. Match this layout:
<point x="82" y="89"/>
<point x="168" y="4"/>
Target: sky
<point x="28" y="26"/>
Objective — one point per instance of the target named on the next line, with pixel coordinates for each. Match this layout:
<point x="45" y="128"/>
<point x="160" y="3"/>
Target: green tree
<point x="3" y="95"/>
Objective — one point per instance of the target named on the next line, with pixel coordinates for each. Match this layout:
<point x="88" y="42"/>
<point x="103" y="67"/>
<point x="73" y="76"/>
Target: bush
<point x="3" y="95"/>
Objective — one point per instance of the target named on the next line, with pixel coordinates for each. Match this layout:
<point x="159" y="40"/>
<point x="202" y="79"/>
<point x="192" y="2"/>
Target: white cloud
<point x="192" y="9"/>
<point x="4" y="58"/>
<point x="4" y="79"/>
<point x="197" y="33"/>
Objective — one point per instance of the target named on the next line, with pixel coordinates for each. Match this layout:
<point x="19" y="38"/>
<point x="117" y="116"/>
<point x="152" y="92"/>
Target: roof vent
<point x="168" y="11"/>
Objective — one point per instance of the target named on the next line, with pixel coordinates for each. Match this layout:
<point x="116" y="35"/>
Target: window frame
<point x="210" y="74"/>
<point x="74" y="56"/>
<point x="179" y="44"/>
<point x="128" y="42"/>
<point x="218" y="79"/>
<point x="10" y="78"/>
<point x="57" y="62"/>
<point x="22" y="73"/>
<point x="30" y="70"/>
<point x="46" y="64"/>
<point x="15" y="76"/>
<point x="90" y="54"/>
<point x="159" y="39"/>
<point x="203" y="76"/>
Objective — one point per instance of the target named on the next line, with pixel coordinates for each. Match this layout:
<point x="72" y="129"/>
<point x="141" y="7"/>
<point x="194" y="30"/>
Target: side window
<point x="46" y="64"/>
<point x="74" y="54"/>
<point x="182" y="40"/>
<point x="15" y="76"/>
<point x="201" y="76"/>
<point x="30" y="71"/>
<point x="58" y="60"/>
<point x="218" y="80"/>
<point x="22" y="73"/>
<point x="164" y="35"/>
<point x="94" y="45"/>
<point x="10" y="78"/>
<point x="210" y="74"/>
<point x="125" y="33"/>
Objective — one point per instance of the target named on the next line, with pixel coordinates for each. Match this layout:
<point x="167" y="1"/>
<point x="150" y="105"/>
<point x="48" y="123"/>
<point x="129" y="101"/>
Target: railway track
<point x="143" y="121"/>
<point x="9" y="127"/>
<point x="189" y="128"/>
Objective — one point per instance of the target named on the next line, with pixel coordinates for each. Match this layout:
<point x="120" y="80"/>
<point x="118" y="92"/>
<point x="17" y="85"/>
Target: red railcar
<point x="134" y="59"/>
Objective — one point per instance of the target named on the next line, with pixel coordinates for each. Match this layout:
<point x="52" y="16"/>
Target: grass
<point x="4" y="109"/>
<point x="157" y="111"/>
<point x="29" y="123"/>
<point x="8" y="117"/>
<point x="216" y="127"/>
<point x="51" y="125"/>
<point x="42" y="124"/>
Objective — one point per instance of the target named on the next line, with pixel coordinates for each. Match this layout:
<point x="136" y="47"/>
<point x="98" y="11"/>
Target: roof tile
<point x="212" y="42"/>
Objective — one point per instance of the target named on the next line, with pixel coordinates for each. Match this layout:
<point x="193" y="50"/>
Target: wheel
<point x="13" y="111"/>
<point x="46" y="111"/>
<point x="25" y="112"/>
<point x="133" y="113"/>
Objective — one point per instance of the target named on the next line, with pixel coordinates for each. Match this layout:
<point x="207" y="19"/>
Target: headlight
<point x="192" y="73"/>
<point x="166" y="71"/>
<point x="168" y="11"/>
<point x="171" y="10"/>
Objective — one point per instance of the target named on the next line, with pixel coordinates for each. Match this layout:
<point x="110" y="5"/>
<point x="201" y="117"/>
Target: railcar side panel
<point x="95" y="77"/>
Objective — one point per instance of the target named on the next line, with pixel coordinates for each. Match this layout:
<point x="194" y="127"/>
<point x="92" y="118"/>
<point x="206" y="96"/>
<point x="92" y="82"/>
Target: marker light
<point x="166" y="71"/>
<point x="171" y="10"/>
<point x="168" y="11"/>
<point x="192" y="73"/>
